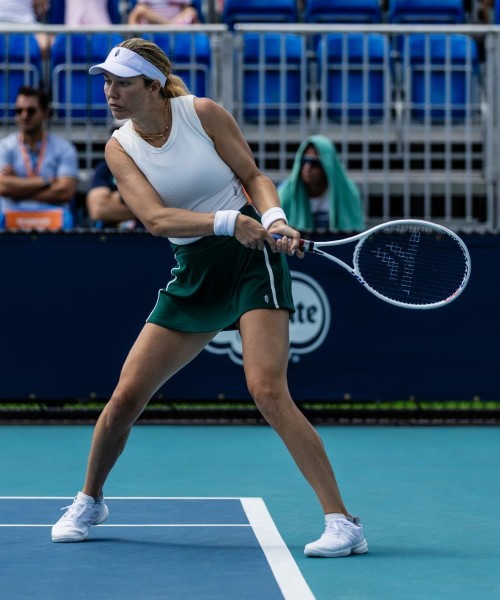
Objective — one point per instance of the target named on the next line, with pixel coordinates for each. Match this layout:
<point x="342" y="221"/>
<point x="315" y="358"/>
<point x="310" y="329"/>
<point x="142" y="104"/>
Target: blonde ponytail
<point x="174" y="86"/>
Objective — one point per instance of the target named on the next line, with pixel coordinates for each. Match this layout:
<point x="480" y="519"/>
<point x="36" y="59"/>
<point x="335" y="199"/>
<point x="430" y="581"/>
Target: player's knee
<point x="268" y="397"/>
<point x="123" y="409"/>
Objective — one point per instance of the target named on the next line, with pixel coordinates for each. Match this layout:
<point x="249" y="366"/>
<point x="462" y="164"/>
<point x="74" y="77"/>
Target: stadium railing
<point x="413" y="110"/>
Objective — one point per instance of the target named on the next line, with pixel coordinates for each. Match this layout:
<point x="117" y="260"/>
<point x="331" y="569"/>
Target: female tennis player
<point x="180" y="163"/>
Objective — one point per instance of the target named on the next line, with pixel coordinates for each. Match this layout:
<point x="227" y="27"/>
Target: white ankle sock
<point x="334" y="517"/>
<point x="88" y="499"/>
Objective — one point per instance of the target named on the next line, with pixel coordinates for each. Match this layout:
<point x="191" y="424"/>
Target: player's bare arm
<point x="142" y="199"/>
<point x="230" y="144"/>
<point x="144" y="202"/>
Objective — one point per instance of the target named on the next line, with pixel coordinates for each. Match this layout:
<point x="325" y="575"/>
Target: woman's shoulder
<point x="209" y="111"/>
<point x="111" y="148"/>
<point x="207" y="104"/>
<point x="200" y="112"/>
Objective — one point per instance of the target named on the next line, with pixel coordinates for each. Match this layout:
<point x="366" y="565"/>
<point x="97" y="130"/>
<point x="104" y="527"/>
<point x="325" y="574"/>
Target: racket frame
<point x="316" y="248"/>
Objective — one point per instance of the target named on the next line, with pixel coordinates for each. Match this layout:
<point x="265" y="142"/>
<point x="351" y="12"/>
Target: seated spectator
<point x="26" y="12"/>
<point x="38" y="170"/>
<point x="486" y="11"/>
<point x="163" y="12"/>
<point x="104" y="203"/>
<point x="219" y="8"/>
<point x="319" y="194"/>
<point x="90" y="12"/>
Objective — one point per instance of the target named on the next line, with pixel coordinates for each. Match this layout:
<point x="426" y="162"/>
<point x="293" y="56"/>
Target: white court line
<point x="124" y="498"/>
<point x="286" y="572"/>
<point x="137" y="525"/>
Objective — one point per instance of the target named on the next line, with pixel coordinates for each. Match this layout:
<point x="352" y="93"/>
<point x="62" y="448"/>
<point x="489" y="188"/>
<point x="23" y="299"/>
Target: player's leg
<point x="264" y="336"/>
<point x="157" y="354"/>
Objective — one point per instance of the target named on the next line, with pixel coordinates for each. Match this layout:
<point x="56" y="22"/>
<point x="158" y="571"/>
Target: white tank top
<point x="187" y="172"/>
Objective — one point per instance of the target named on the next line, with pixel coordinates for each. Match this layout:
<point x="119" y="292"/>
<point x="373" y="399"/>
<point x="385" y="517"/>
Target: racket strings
<point x="412" y="265"/>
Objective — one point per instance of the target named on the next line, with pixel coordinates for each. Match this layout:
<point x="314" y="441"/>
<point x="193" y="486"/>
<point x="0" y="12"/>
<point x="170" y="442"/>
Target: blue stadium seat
<point x="272" y="77"/>
<point x="75" y="93"/>
<point x="259" y="11"/>
<point x="426" y="11"/>
<point x="441" y="77"/>
<point x="20" y="64"/>
<point x="190" y="55"/>
<point x="446" y="12"/>
<point x="353" y="73"/>
<point x="56" y="12"/>
<point x="343" y="11"/>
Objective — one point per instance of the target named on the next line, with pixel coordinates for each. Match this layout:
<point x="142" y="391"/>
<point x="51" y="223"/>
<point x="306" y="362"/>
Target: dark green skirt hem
<point x="216" y="280"/>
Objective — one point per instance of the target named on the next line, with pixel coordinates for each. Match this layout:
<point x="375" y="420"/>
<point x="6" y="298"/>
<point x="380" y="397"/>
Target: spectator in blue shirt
<point x="38" y="169"/>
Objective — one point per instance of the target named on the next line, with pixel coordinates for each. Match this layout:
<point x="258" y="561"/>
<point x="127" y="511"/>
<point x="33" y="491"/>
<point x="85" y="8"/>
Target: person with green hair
<point x="319" y="194"/>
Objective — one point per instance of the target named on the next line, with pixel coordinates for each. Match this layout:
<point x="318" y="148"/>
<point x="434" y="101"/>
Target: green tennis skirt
<point x="216" y="280"/>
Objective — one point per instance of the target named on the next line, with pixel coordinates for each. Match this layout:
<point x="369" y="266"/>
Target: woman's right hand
<point x="289" y="240"/>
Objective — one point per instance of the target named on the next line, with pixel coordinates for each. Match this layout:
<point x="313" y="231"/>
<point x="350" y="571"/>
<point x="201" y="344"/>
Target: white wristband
<point x="225" y="221"/>
<point x="273" y="214"/>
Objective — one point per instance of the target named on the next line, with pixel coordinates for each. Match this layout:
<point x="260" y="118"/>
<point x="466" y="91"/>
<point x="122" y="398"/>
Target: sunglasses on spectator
<point x="30" y="111"/>
<point x="310" y="160"/>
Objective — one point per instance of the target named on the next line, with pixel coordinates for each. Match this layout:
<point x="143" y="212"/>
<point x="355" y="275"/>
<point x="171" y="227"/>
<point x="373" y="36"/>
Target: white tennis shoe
<point x="342" y="537"/>
<point x="74" y="525"/>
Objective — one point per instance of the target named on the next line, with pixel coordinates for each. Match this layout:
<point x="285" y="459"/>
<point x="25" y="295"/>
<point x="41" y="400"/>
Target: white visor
<point x="123" y="62"/>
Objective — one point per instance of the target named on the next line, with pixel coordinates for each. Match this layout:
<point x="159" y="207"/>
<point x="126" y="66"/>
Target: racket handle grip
<point x="304" y="245"/>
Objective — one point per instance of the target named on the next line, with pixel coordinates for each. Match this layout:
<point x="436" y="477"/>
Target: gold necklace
<point x="154" y="136"/>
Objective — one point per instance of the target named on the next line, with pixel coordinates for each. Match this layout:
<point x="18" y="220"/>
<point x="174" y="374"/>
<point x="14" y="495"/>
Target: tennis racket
<point x="408" y="263"/>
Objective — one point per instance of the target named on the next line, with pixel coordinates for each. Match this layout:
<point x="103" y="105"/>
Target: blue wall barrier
<point x="73" y="303"/>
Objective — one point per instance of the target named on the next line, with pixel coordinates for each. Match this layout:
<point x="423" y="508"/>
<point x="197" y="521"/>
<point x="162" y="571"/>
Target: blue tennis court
<point x="222" y="512"/>
<point x="154" y="548"/>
